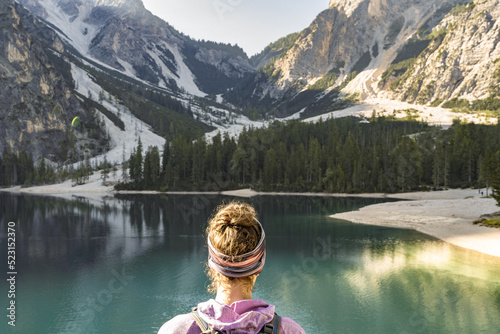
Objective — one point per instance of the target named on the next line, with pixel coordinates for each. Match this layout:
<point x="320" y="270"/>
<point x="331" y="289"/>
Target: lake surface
<point x="130" y="263"/>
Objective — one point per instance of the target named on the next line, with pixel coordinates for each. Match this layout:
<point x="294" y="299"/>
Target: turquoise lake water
<point x="128" y="264"/>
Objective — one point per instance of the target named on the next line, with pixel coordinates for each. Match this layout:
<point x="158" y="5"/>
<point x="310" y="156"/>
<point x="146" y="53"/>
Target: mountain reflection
<point x="83" y="230"/>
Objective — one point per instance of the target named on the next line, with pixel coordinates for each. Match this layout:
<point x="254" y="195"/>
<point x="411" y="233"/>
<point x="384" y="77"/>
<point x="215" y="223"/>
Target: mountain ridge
<point x="139" y="63"/>
<point x="389" y="59"/>
<point x="127" y="37"/>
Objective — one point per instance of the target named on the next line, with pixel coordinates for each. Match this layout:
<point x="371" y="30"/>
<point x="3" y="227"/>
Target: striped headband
<point x="239" y="265"/>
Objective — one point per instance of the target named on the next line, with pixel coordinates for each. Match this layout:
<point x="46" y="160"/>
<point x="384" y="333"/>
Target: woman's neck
<point x="231" y="295"/>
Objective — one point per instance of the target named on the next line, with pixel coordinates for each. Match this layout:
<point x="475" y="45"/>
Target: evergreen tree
<point x="151" y="168"/>
<point x="132" y="167"/>
<point x="42" y="170"/>
<point x="198" y="163"/>
<point x="314" y="162"/>
<point x="408" y="164"/>
<point x="124" y="165"/>
<point x="439" y="165"/>
<point x="155" y="166"/>
<point x="105" y="171"/>
<point x="495" y="177"/>
<point x="239" y="165"/>
<point x="166" y="157"/>
<point x="488" y="169"/>
<point x="147" y="177"/>
<point x="138" y="164"/>
<point x="271" y="169"/>
<point x="87" y="169"/>
<point x="114" y="169"/>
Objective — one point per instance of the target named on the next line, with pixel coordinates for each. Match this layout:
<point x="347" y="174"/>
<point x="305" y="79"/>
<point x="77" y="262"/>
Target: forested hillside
<point x="336" y="155"/>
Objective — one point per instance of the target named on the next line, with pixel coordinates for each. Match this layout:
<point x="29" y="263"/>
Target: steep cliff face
<point x="273" y="51"/>
<point x="419" y="51"/>
<point x="124" y="35"/>
<point x="351" y="36"/>
<point x="36" y="101"/>
<point x="463" y="63"/>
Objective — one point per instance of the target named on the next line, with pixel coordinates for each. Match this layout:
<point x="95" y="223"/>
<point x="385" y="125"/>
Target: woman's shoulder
<point x="288" y="326"/>
<point x="184" y="324"/>
<point x="181" y="324"/>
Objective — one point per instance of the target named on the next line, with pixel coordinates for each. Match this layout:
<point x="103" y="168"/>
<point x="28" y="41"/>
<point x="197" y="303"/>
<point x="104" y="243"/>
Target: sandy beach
<point x="447" y="215"/>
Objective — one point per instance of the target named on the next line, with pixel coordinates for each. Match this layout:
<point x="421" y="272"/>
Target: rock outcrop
<point x="420" y="51"/>
<point x="463" y="64"/>
<point x="351" y="36"/>
<point x="36" y="99"/>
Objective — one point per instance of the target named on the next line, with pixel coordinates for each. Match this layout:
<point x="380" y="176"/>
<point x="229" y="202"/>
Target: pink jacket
<point x="242" y="317"/>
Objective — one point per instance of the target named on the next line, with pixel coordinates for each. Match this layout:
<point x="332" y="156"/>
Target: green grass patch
<point x="436" y="102"/>
<point x="276" y="49"/>
<point x="496" y="74"/>
<point x="488" y="222"/>
<point x="348" y="79"/>
<point x="398" y="69"/>
<point x="457" y="103"/>
<point x="404" y="61"/>
<point x="461" y="8"/>
<point x="491" y="103"/>
<point x="326" y="81"/>
<point x="489" y="107"/>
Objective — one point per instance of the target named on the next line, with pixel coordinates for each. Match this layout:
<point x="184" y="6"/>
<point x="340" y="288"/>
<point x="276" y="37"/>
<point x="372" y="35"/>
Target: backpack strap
<point x="273" y="326"/>
<point x="204" y="326"/>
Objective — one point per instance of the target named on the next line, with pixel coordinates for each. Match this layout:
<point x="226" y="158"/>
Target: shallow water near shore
<point x="128" y="264"/>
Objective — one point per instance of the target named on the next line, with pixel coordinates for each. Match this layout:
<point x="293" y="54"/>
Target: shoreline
<point x="95" y="187"/>
<point x="449" y="218"/>
<point x="446" y="214"/>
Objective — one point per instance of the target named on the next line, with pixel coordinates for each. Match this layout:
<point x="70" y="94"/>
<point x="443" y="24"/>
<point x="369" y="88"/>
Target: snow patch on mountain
<point x="73" y="30"/>
<point x="122" y="142"/>
<point x="385" y="107"/>
<point x="187" y="79"/>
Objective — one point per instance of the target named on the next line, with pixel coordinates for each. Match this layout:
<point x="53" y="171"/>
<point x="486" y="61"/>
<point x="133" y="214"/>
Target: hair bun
<point x="234" y="230"/>
<point x="229" y="222"/>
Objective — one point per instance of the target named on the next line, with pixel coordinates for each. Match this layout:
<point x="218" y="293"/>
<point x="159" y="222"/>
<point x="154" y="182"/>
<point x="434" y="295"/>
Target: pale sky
<point x="252" y="24"/>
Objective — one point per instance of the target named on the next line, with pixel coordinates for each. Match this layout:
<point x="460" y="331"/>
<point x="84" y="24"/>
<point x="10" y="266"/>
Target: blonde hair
<point x="233" y="230"/>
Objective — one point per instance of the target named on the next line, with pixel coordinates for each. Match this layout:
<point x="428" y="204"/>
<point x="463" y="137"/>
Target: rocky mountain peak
<point x="347" y="6"/>
<point x="125" y="36"/>
<point x="127" y="5"/>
